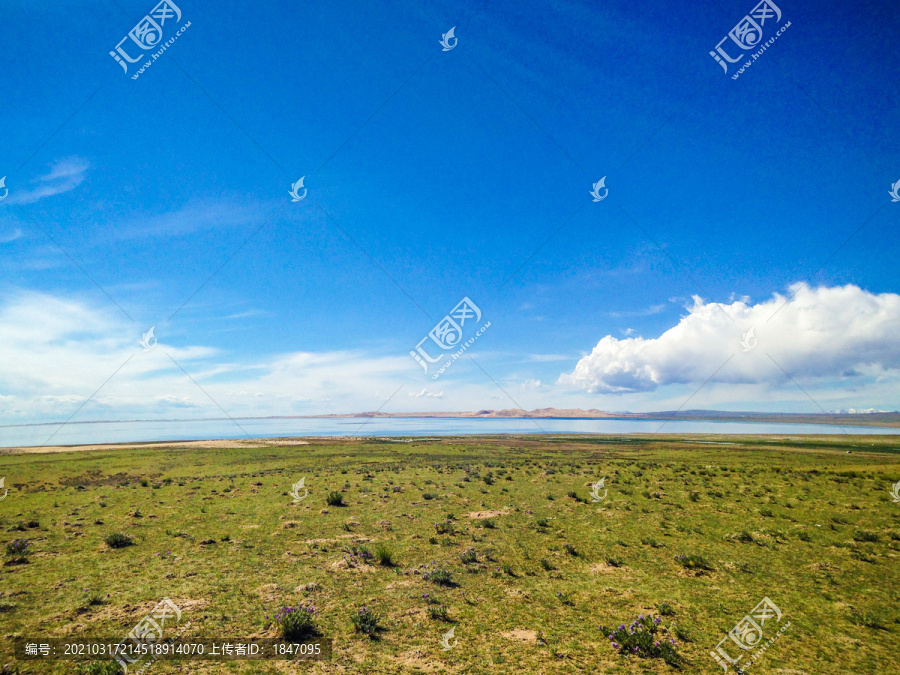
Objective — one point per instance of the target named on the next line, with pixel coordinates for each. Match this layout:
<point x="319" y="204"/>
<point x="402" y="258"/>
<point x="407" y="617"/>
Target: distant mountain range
<point x="850" y="417"/>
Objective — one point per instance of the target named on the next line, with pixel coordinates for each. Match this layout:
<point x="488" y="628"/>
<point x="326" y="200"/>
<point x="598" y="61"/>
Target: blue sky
<point x="436" y="175"/>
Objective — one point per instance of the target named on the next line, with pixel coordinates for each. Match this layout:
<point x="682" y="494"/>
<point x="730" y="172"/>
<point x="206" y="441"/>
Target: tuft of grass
<point x="438" y="612"/>
<point x="694" y="562"/>
<point x="335" y="498"/>
<point x="297" y="623"/>
<point x="439" y="577"/>
<point x="118" y="540"/>
<point x="367" y="622"/>
<point x="445" y="527"/>
<point x="93" y="598"/>
<point x="863" y="535"/>
<point x="570" y="549"/>
<point x="18" y="548"/>
<point x="682" y="633"/>
<point x="665" y="609"/>
<point x="384" y="554"/>
<point x="868" y="620"/>
<point x="468" y="556"/>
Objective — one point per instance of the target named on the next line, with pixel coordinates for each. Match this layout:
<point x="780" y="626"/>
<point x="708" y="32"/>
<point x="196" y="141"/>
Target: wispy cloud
<point x="11" y="235"/>
<point x="65" y="174"/>
<point x="193" y="217"/>
<point x="647" y="311"/>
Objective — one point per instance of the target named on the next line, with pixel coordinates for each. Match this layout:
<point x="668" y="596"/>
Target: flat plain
<point x="508" y="540"/>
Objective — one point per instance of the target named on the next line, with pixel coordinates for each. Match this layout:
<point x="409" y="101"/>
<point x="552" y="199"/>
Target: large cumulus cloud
<point x="826" y="332"/>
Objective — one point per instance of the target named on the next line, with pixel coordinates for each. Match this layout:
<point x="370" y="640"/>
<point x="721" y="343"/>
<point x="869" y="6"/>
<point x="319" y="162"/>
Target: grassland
<point x="536" y="567"/>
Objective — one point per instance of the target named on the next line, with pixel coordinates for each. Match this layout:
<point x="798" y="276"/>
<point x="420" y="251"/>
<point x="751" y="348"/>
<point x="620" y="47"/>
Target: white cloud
<point x="64" y="175"/>
<point x="6" y="237"/>
<point x="427" y="394"/>
<point x="818" y="333"/>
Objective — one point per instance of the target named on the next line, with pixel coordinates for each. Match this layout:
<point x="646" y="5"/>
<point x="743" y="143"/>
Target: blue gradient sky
<point x="442" y="174"/>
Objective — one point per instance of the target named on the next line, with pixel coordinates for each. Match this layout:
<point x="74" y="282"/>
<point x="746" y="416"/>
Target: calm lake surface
<point x="129" y="432"/>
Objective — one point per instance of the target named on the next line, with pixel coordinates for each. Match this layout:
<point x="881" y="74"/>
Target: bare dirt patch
<point x="481" y="515"/>
<point x="522" y="634"/>
<point x="344" y="566"/>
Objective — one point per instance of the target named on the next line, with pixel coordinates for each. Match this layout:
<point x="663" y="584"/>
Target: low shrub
<point x="642" y="639"/>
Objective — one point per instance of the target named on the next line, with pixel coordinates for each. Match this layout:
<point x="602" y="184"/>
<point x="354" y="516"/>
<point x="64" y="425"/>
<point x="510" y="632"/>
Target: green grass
<point x="794" y="519"/>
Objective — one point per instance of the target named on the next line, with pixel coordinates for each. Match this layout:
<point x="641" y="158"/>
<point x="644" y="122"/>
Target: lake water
<point x="128" y="432"/>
